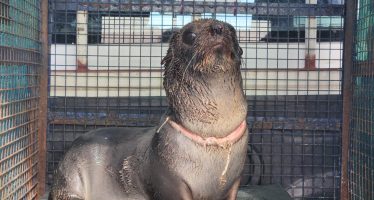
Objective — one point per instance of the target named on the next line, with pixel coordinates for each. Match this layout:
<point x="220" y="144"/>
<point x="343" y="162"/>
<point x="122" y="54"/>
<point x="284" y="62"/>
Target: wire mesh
<point x="361" y="149"/>
<point x="20" y="60"/>
<point x="106" y="71"/>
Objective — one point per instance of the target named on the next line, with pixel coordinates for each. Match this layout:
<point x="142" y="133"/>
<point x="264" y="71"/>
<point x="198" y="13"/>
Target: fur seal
<point x="199" y="149"/>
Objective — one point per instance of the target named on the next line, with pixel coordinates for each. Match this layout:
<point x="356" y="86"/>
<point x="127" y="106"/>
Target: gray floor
<point x="270" y="192"/>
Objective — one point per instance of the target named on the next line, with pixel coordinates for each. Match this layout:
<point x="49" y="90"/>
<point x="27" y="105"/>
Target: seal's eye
<point x="189" y="37"/>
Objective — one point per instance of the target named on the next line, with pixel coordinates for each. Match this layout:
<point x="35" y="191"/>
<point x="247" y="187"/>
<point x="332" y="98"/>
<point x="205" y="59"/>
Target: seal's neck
<point x="223" y="142"/>
<point x="211" y="106"/>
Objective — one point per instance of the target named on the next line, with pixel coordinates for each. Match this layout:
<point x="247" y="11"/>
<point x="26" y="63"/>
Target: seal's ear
<point x="240" y="51"/>
<point x="169" y="54"/>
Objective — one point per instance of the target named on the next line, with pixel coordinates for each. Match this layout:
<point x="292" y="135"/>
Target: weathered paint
<point x="82" y="38"/>
<point x="310" y="39"/>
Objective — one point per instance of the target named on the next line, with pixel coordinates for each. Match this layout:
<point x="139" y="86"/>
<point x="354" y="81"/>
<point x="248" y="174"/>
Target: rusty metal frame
<point x="349" y="27"/>
<point x="43" y="92"/>
<point x="200" y="7"/>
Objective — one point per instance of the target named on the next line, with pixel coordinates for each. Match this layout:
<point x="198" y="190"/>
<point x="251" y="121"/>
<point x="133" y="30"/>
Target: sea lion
<point x="199" y="149"/>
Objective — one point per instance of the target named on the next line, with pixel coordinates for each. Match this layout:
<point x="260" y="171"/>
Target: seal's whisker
<point x="189" y="63"/>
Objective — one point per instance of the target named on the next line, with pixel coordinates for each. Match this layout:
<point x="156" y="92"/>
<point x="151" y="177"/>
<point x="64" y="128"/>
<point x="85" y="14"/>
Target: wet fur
<point x="204" y="89"/>
<point x="193" y="73"/>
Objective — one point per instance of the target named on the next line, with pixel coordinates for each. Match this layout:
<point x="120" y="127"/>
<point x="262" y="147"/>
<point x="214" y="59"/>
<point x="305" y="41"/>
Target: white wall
<point x="265" y="70"/>
<point x="146" y="56"/>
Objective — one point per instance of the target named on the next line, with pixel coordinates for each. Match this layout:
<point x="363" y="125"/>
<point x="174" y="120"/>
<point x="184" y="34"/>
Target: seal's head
<point x="205" y="46"/>
<point x="202" y="77"/>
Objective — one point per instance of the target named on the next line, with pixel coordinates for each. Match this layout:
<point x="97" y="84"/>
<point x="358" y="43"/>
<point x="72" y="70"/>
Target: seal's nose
<point x="217" y="29"/>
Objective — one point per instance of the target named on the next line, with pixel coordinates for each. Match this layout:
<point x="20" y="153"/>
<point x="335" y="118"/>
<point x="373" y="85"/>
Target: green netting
<point x="365" y="28"/>
<point x="362" y="139"/>
<point x="13" y="76"/>
<point x="19" y="92"/>
<point x="361" y="154"/>
<point x="21" y="29"/>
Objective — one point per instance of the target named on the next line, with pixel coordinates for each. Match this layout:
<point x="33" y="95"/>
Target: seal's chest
<point x="210" y="171"/>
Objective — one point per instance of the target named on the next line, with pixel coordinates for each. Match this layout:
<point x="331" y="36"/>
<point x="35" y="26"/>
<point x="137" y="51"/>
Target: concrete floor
<point x="241" y="196"/>
<point x="255" y="193"/>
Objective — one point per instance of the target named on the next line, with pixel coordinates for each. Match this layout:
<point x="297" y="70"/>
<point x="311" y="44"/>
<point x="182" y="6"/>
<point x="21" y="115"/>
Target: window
<point x="4" y="12"/>
<point x="64" y="27"/>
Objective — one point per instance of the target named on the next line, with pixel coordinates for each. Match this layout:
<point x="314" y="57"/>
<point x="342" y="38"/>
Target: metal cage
<point x="21" y="94"/>
<point x="360" y="159"/>
<point x="105" y="71"/>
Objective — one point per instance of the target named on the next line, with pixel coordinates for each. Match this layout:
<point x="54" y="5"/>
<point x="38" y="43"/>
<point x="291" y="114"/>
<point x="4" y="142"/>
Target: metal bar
<point x="6" y="184"/>
<point x="23" y="112"/>
<point x="14" y="154"/>
<point x="363" y="69"/>
<point x="17" y="188"/>
<point x="18" y="126"/>
<point x="301" y="124"/>
<point x="82" y="36"/>
<point x="18" y="88"/>
<point x="310" y="39"/>
<point x="285" y="9"/>
<point x="325" y="69"/>
<point x="43" y="92"/>
<point x="349" y="25"/>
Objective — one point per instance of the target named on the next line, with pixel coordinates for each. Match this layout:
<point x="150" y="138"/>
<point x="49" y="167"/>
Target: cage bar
<point x="20" y="62"/>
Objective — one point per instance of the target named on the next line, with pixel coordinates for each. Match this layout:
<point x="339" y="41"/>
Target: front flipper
<point x="171" y="188"/>
<point x="233" y="190"/>
<point x="58" y="194"/>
